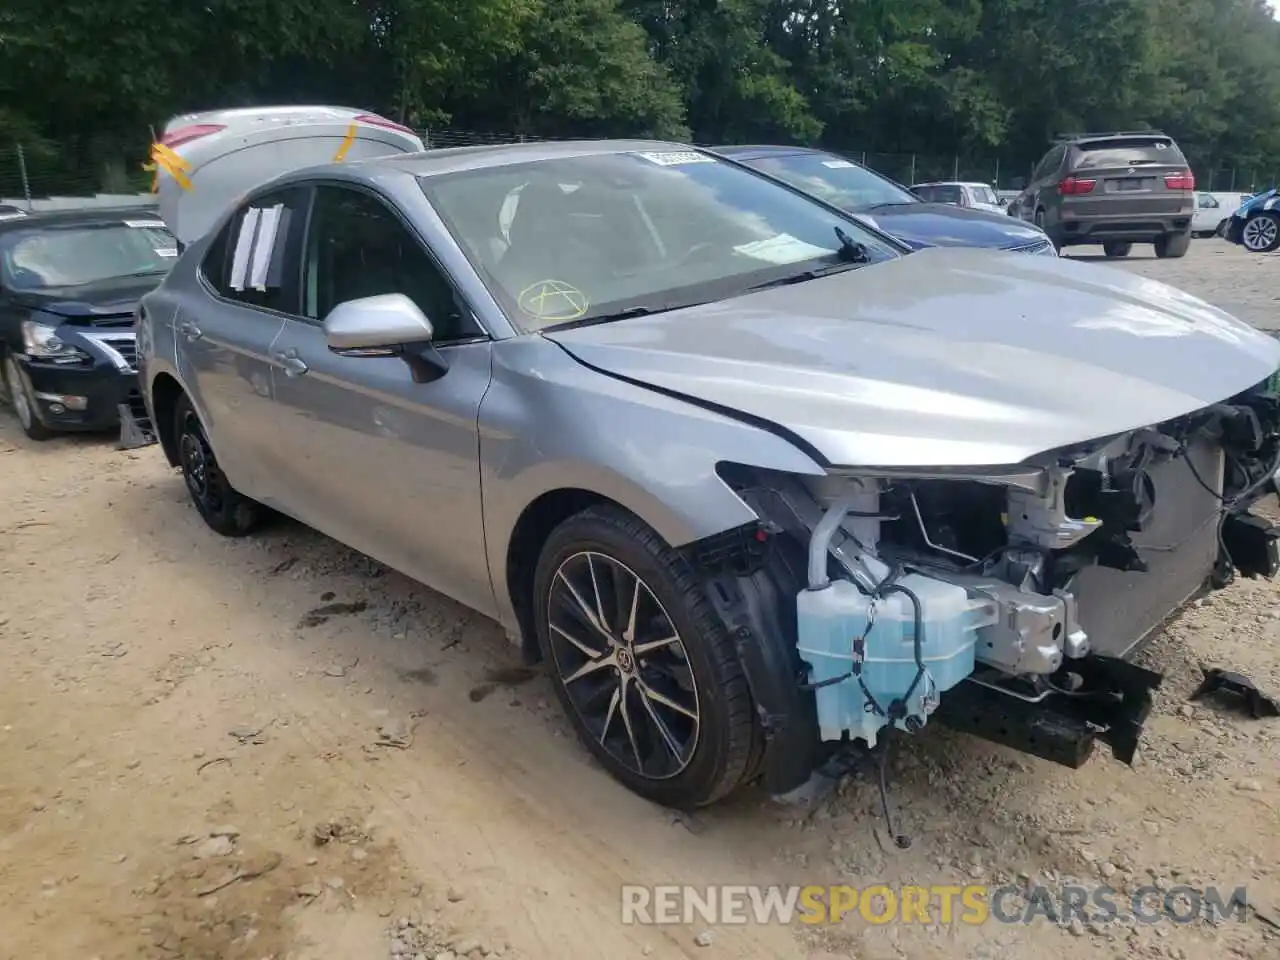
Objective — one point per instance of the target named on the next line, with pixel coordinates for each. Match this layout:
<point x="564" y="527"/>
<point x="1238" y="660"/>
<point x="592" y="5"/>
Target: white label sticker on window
<point x="167" y="252"/>
<point x="263" y="247"/>
<point x="783" y="248"/>
<point x="145" y="224"/>
<point x="677" y="158"/>
<point x="244" y="243"/>
<point x="837" y="164"/>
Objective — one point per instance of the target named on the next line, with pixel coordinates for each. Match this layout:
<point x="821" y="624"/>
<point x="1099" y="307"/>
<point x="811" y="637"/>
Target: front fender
<point x="549" y="423"/>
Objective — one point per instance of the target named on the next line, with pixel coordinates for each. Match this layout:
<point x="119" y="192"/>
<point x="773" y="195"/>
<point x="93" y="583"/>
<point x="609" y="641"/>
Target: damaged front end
<point x="1005" y="602"/>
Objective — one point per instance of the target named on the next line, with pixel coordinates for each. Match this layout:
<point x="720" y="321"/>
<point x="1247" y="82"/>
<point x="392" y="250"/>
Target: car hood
<point x="90" y="301"/>
<point x="944" y="225"/>
<point x="946" y="357"/>
<point x="1266" y="200"/>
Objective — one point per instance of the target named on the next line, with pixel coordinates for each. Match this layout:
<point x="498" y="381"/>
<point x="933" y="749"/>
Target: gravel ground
<point x="235" y="750"/>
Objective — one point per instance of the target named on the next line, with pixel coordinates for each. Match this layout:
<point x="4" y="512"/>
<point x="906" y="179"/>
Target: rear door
<point x="382" y="463"/>
<point x="225" y="332"/>
<point x="1128" y="177"/>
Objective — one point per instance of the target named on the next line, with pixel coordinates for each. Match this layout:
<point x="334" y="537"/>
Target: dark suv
<point x="1116" y="189"/>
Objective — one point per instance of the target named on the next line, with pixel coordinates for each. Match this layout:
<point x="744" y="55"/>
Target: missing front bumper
<point x="1111" y="705"/>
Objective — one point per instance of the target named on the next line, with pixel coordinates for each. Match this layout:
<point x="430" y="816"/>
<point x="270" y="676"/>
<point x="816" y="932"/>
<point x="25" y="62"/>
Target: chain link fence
<point x="39" y="170"/>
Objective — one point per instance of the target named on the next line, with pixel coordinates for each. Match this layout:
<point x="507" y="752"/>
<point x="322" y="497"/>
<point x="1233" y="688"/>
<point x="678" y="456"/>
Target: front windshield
<point x="582" y="238"/>
<point x="833" y="179"/>
<point x="74" y="255"/>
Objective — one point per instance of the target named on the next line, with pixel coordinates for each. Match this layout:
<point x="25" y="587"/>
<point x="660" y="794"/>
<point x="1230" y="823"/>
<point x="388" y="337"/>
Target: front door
<point x="226" y="331"/>
<point x="375" y="460"/>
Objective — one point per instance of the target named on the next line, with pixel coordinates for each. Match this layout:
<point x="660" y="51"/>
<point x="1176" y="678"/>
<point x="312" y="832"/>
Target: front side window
<point x="357" y="248"/>
<point x="75" y="255"/>
<point x="254" y="258"/>
<point x="836" y="180"/>
<point x="592" y="237"/>
<point x="984" y="194"/>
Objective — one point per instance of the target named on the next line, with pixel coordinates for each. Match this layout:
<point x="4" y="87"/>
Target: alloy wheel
<point x="623" y="665"/>
<point x="17" y="395"/>
<point x="1259" y="233"/>
<point x="199" y="468"/>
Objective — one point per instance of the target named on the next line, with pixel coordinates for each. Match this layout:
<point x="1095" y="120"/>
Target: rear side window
<point x="1129" y="152"/>
<point x="1049" y="163"/>
<point x="256" y="257"/>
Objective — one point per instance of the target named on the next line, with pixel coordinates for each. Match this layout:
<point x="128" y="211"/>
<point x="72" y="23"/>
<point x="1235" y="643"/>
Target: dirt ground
<point x="276" y="748"/>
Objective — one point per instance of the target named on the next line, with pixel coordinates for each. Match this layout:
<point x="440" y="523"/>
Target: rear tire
<point x="20" y="400"/>
<point x="1261" y="234"/>
<point x="220" y="505"/>
<point x="659" y="698"/>
<point x="1115" y="248"/>
<point x="1173" y="245"/>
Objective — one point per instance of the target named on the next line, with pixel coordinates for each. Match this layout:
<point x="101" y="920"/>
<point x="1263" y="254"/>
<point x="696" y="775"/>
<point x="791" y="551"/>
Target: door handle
<point x="291" y="362"/>
<point x="189" y="330"/>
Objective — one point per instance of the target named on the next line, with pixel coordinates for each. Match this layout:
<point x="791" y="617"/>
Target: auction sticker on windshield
<point x="677" y="158"/>
<point x="837" y="164"/>
<point x="145" y="224"/>
<point x="782" y="249"/>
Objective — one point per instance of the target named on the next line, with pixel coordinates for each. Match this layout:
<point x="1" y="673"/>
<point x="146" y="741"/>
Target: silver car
<point x="756" y="484"/>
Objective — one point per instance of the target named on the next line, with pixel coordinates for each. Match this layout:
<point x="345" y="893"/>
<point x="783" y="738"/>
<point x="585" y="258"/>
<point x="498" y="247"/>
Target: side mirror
<point x="1018" y="183"/>
<point x="386" y="325"/>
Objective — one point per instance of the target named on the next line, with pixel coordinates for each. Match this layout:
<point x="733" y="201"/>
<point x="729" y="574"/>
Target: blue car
<point x="888" y="206"/>
<point x="1256" y="225"/>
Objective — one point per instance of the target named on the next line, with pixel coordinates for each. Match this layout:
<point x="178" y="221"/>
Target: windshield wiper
<point x="850" y="249"/>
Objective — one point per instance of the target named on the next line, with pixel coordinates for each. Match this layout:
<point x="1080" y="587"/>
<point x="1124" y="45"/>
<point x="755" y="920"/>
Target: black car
<point x="69" y="284"/>
<point x="888" y="206"/>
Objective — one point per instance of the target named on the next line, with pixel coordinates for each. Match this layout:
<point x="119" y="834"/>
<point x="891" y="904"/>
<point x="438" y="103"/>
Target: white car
<point x="978" y="196"/>
<point x="1213" y="212"/>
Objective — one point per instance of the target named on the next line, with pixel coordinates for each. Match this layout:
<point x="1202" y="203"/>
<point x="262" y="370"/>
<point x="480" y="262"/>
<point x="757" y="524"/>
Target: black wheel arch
<point x="165" y="393"/>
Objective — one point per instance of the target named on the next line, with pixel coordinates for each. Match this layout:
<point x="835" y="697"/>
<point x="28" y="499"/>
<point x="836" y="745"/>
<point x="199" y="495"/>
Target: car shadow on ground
<point x="12" y="437"/>
<point x="411" y="638"/>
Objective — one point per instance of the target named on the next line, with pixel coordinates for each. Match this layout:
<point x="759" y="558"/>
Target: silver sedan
<point x="756" y="483"/>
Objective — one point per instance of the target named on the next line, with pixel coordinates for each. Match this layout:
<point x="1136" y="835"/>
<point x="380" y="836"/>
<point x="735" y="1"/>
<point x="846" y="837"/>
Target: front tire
<point x="1173" y="245"/>
<point x="219" y="504"/>
<point x="644" y="668"/>
<point x="1261" y="234"/>
<point x="1115" y="248"/>
<point x="23" y="404"/>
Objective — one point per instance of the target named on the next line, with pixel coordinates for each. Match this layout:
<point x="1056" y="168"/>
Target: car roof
<point x="97" y="215"/>
<point x="453" y="159"/>
<point x="951" y="183"/>
<point x="445" y="160"/>
<point x="758" y="151"/>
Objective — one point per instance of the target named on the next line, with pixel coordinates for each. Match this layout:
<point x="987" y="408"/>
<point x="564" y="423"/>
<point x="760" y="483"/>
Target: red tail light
<point x="186" y="134"/>
<point x="373" y="120"/>
<point x="1074" y="186"/>
<point x="1181" y="181"/>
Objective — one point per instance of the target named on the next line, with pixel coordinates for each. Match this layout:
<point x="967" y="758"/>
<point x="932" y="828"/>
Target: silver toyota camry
<point x="760" y="487"/>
